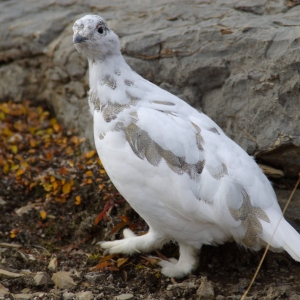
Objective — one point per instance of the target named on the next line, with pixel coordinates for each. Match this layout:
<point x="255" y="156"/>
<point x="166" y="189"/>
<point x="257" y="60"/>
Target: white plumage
<point x="173" y="164"/>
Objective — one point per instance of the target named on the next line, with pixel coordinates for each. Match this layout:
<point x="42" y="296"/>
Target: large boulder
<point x="238" y="61"/>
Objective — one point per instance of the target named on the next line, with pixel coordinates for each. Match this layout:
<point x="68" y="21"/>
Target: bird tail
<point x="285" y="237"/>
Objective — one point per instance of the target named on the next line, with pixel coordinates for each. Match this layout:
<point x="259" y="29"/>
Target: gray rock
<point x="42" y="278"/>
<point x="63" y="280"/>
<point x="238" y="61"/>
<point x="7" y="274"/>
<point x="206" y="290"/>
<point x="124" y="297"/>
<point x="3" y="291"/>
<point x="69" y="296"/>
<point x="22" y="296"/>
<point x="84" y="295"/>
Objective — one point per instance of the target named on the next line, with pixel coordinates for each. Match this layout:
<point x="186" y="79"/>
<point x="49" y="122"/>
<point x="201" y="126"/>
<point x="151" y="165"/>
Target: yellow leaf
<point x="2" y="116"/>
<point x="52" y="178"/>
<point x="63" y="181"/>
<point x="47" y="186"/>
<point x="14" y="149"/>
<point x="99" y="162"/>
<point x="49" y="130"/>
<point x="5" y="109"/>
<point x="66" y="188"/>
<point x="90" y="154"/>
<point x="32" y="143"/>
<point x="20" y="172"/>
<point x="61" y="200"/>
<point x="77" y="200"/>
<point x="121" y="261"/>
<point x="53" y="121"/>
<point x="89" y="181"/>
<point x="102" y="171"/>
<point x="14" y="167"/>
<point x="13" y="233"/>
<point x="55" y="185"/>
<point x="69" y="150"/>
<point x="89" y="173"/>
<point x="24" y="164"/>
<point x="40" y="110"/>
<point x="5" y="169"/>
<point x="43" y="214"/>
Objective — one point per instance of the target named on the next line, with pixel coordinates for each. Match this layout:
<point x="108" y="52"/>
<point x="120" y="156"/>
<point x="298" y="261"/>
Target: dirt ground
<point x="50" y="195"/>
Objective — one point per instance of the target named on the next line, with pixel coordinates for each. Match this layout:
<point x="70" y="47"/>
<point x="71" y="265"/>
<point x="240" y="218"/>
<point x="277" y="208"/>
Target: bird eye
<point x="100" y="29"/>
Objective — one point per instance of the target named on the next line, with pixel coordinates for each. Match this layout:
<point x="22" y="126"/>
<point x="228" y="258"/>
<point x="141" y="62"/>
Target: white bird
<point x="173" y="164"/>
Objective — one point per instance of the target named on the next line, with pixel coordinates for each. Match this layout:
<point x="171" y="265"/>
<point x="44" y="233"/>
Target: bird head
<point x="93" y="38"/>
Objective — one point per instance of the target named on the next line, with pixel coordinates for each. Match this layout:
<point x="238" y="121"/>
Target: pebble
<point x="42" y="278"/>
<point x="206" y="290"/>
<point x="69" y="296"/>
<point x="63" y="280"/>
<point x="7" y="274"/>
<point x="84" y="296"/>
<point x="124" y="297"/>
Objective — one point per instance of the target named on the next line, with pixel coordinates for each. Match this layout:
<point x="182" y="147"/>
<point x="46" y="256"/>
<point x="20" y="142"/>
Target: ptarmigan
<point x="173" y="164"/>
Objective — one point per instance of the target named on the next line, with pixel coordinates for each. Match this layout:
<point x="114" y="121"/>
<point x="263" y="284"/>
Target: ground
<point x="56" y="202"/>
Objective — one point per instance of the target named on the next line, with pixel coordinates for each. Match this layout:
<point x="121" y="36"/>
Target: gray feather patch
<point x="250" y="215"/>
<point x="144" y="147"/>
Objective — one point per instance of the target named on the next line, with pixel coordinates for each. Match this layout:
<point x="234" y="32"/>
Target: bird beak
<point x="79" y="39"/>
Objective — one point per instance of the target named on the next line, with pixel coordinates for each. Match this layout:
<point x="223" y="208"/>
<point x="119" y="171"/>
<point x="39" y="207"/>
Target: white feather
<point x="228" y="198"/>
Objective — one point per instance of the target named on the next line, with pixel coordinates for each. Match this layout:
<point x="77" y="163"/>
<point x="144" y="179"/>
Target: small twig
<point x="268" y="246"/>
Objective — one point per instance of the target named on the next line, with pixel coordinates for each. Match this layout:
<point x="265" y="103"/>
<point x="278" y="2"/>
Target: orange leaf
<point x="63" y="171"/>
<point x="43" y="214"/>
<point x="102" y="171"/>
<point x="118" y="227"/>
<point x="113" y="269"/>
<point x="122" y="261"/>
<point x="49" y="155"/>
<point x="124" y="219"/>
<point x="99" y="218"/>
<point x="89" y="181"/>
<point x="107" y="257"/>
<point x="56" y="127"/>
<point x="75" y="139"/>
<point x="66" y="188"/>
<point x="101" y="187"/>
<point x="100" y="266"/>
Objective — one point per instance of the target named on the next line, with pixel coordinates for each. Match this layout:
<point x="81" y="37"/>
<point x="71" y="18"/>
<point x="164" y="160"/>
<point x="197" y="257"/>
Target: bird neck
<point x="108" y="79"/>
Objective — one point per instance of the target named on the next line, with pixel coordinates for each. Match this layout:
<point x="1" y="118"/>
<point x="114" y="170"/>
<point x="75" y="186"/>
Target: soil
<point x="57" y="202"/>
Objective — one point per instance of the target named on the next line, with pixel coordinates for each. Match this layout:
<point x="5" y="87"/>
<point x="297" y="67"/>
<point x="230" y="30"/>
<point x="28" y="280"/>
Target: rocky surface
<point x="238" y="61"/>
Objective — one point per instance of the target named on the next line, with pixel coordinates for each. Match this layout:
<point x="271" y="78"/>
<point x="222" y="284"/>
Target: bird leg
<point x="134" y="244"/>
<point x="187" y="262"/>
